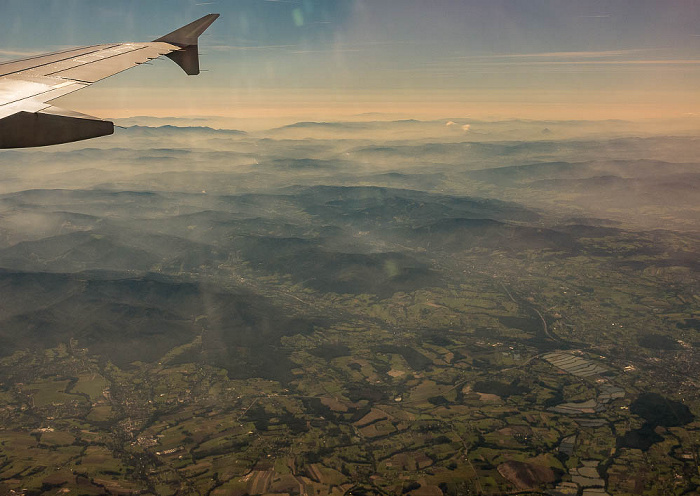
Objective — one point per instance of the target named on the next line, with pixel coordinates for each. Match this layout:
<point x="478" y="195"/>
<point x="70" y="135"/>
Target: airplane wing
<point x="28" y="86"/>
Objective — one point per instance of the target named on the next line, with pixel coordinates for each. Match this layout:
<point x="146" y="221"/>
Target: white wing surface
<point x="28" y="86"/>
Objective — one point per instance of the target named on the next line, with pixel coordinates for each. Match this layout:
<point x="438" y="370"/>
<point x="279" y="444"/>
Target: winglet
<point x="187" y="39"/>
<point x="188" y="35"/>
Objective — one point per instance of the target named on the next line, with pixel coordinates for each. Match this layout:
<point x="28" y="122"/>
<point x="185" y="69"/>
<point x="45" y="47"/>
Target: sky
<point x="324" y="59"/>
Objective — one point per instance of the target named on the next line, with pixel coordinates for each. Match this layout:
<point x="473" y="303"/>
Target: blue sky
<point x="620" y="58"/>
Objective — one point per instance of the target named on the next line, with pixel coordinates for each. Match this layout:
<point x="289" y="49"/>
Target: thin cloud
<point x="388" y="43"/>
<point x="588" y="58"/>
<point x="610" y="62"/>
<point x="564" y="65"/>
<point x="581" y="55"/>
<point x="329" y="50"/>
<point x="224" y="48"/>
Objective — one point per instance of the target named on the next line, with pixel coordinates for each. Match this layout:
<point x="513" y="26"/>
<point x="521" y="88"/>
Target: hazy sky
<point x="500" y="58"/>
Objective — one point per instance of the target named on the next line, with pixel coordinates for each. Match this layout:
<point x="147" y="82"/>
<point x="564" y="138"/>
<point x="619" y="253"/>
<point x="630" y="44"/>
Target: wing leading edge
<point x="27" y="119"/>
